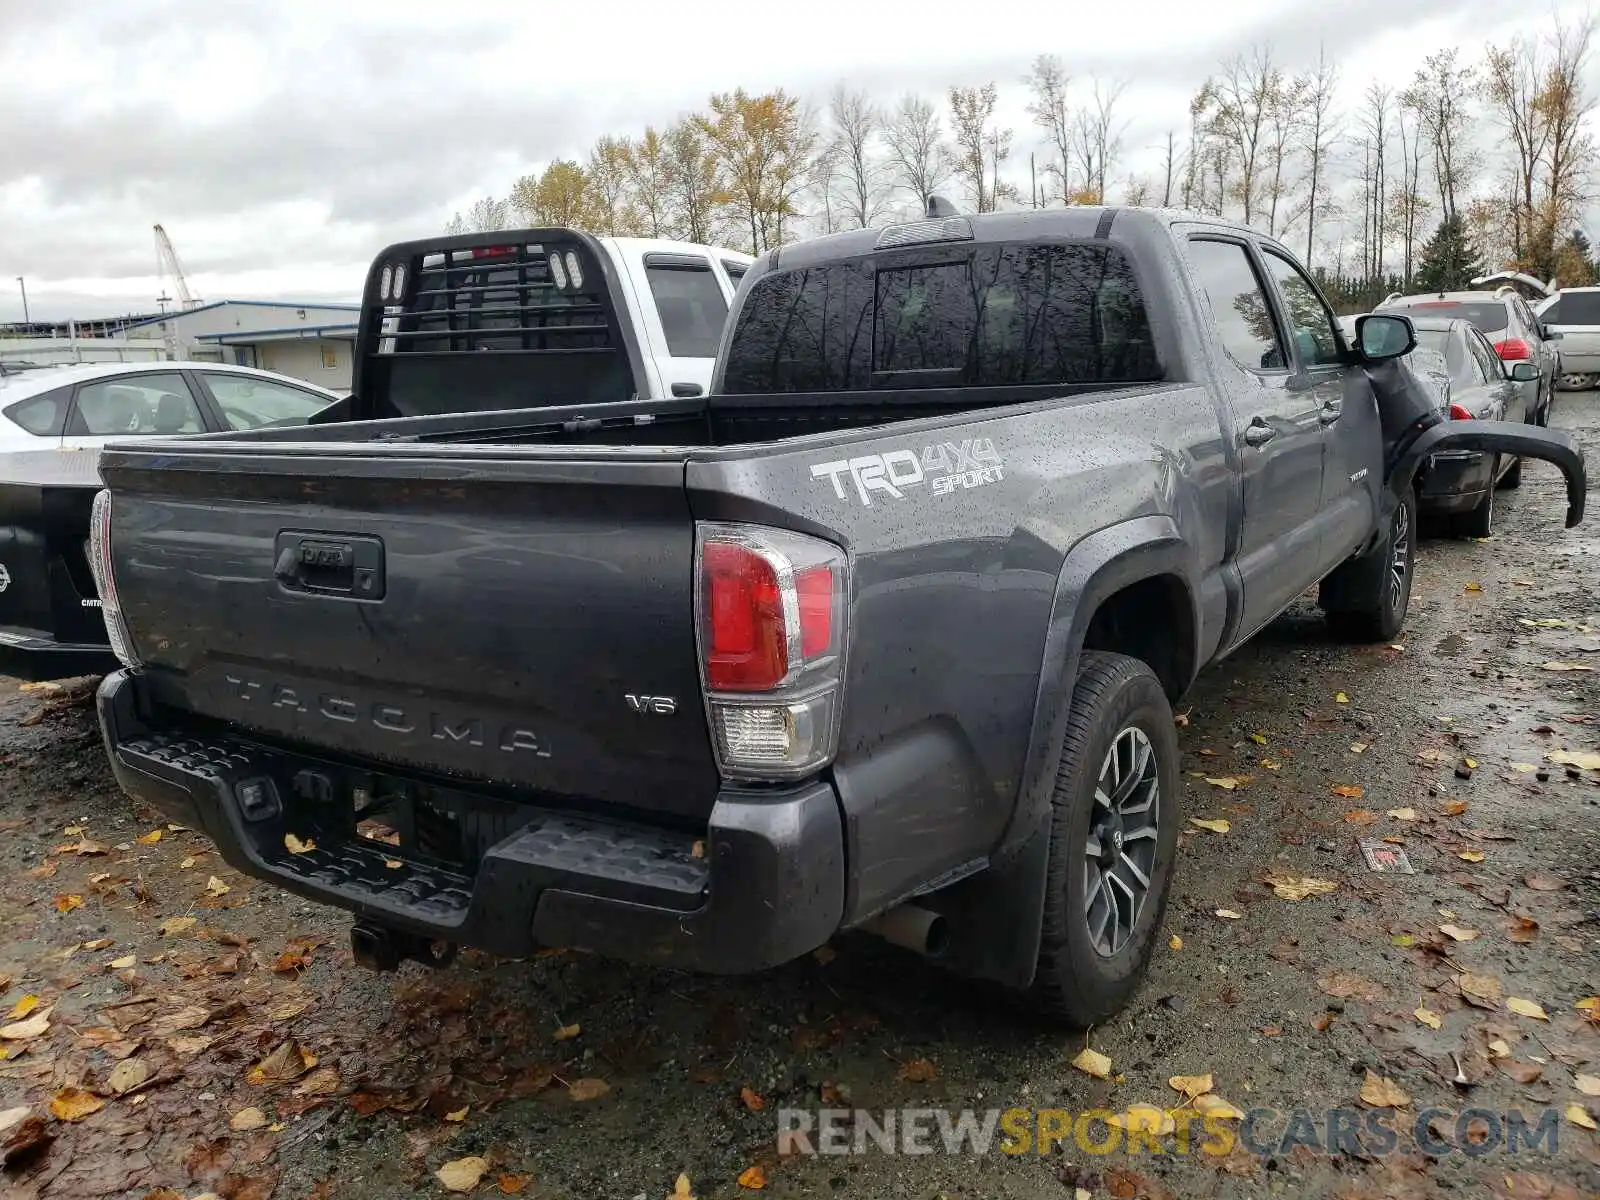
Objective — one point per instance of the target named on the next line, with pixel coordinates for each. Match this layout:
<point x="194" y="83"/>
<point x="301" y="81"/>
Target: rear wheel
<point x="1113" y="834"/>
<point x="1513" y="477"/>
<point x="1366" y="599"/>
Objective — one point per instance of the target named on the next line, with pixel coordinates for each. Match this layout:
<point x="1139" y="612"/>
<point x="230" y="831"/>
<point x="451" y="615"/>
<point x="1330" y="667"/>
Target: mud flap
<point x="1500" y="437"/>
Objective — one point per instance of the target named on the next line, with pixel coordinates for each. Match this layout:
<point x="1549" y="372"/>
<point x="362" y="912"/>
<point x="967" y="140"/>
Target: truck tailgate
<point x="442" y="609"/>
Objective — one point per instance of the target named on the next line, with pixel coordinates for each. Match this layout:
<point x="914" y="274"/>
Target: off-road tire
<point x="1359" y="597"/>
<point x="1076" y="983"/>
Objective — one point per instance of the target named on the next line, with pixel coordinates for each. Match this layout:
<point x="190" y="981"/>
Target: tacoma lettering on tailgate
<point x="452" y="728"/>
<point x="943" y="467"/>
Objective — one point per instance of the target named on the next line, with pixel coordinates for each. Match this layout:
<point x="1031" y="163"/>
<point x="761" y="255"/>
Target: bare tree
<point x="1567" y="103"/>
<point x="1171" y="166"/>
<point x="1376" y="132"/>
<point x="1047" y="84"/>
<point x="1285" y="112"/>
<point x="1320" y="129"/>
<point x="980" y="145"/>
<point x="851" y="157"/>
<point x="1136" y="192"/>
<point x="1410" y="205"/>
<point x="1097" y="139"/>
<point x="1441" y="95"/>
<point x="485" y="216"/>
<point x="1243" y="97"/>
<point x="918" y="160"/>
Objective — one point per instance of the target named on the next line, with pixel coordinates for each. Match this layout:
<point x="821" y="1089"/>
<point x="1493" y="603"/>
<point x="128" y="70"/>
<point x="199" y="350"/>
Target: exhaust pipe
<point x="918" y="929"/>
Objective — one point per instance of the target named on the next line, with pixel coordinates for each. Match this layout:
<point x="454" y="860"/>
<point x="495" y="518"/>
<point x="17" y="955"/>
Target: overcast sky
<point x="283" y="144"/>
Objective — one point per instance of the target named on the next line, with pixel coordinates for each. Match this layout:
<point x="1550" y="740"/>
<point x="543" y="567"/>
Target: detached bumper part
<point x="1499" y="437"/>
<point x="768" y="887"/>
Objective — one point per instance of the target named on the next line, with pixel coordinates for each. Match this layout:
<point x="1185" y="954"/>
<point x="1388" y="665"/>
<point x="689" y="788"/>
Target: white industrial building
<point x="314" y="342"/>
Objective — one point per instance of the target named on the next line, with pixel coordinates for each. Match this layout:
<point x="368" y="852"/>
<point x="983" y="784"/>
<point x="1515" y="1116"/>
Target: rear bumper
<point x="1456" y="481"/>
<point x="766" y="887"/>
<point x="29" y="654"/>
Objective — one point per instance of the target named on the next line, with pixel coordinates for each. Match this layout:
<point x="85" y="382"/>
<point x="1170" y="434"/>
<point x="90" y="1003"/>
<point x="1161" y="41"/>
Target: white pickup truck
<point x="551" y="317"/>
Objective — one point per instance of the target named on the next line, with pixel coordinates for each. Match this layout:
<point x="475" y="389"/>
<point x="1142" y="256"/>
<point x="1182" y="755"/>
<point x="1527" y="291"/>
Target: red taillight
<point x="1458" y="413"/>
<point x="1513" y="350"/>
<point x="493" y="251"/>
<point x="814" y="587"/>
<point x="747" y="642"/>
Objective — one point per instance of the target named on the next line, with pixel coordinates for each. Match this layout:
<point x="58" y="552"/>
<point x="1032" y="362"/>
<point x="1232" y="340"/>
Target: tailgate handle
<point x="330" y="565"/>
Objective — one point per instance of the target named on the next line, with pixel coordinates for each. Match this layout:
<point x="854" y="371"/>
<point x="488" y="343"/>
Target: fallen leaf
<point x="44" y="870"/>
<point x="1259" y="739"/>
<point x="1217" y="1108"/>
<point x="1474" y="587"/>
<point x="1271" y="764"/>
<point x="1360" y="816"/>
<point x="1589" y="1085"/>
<point x="1383" y="1093"/>
<point x="1144" y="1117"/>
<point x="1403" y="814"/>
<point x="1321" y="1021"/>
<point x="566" y="1033"/>
<point x="1350" y="791"/>
<point x="698" y="850"/>
<point x="1358" y="747"/>
<point x="462" y="1174"/>
<point x="1499" y="1049"/>
<point x="1454" y="808"/>
<point x="1586" y="761"/>
<point x="1340" y="698"/>
<point x="123" y="963"/>
<point x="1470" y="763"/>
<point x="75" y="830"/>
<point x="680" y="1190"/>
<point x="97" y="944"/>
<point x="1343" y="984"/>
<point x="394" y="864"/>
<point x="751" y="1100"/>
<point x="753" y="1178"/>
<point x="1290" y="887"/>
<point x="23" y="1007"/>
<point x="1481" y="990"/>
<point x="1524" y="768"/>
<point x="1227" y="782"/>
<point x="1227" y="914"/>
<point x="324" y="1081"/>
<point x="458" y="1116"/>
<point x="20" y="1031"/>
<point x="1215" y="825"/>
<point x="247" y="1119"/>
<point x="294" y="845"/>
<point x="587" y="1089"/>
<point x="1190" y="1086"/>
<point x="510" y="1185"/>
<point x="74" y="1104"/>
<point x="66" y="903"/>
<point x="1471" y="856"/>
<point x="1429" y="1018"/>
<point x="1566" y="666"/>
<point x="1523" y="1073"/>
<point x="1589" y="1004"/>
<point x="1545" y="883"/>
<point x="1526" y="1008"/>
<point x="1457" y="933"/>
<point x="1579" y="1116"/>
<point x="1092" y="1062"/>
<point x="186" y="863"/>
<point x="175" y="925"/>
<point x="1174" y="942"/>
<point x="128" y="1074"/>
<point x="216" y="887"/>
<point x="289" y="1061"/>
<point x="917" y="1070"/>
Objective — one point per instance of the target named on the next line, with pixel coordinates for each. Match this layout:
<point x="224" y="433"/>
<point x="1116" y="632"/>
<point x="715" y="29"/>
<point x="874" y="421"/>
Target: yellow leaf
<point x="1259" y="739"/>
<point x="1566" y="666"/>
<point x="1340" y="698"/>
<point x="567" y="1032"/>
<point x="1499" y="1049"/>
<point x="1092" y="1062"/>
<point x="1227" y="783"/>
<point x="74" y="1104"/>
<point x="1218" y="1108"/>
<point x="1526" y="1008"/>
<point x="459" y="1115"/>
<point x="216" y="887"/>
<point x="20" y="1031"/>
<point x="1471" y="763"/>
<point x="1588" y="762"/>
<point x="1430" y="1018"/>
<point x="1358" y="747"/>
<point x="587" y="1089"/>
<point x="247" y="1119"/>
<point x="1291" y="887"/>
<point x="1350" y="791"/>
<point x="1457" y="933"/>
<point x="1471" y="856"/>
<point x="1455" y="808"/>
<point x="462" y="1174"/>
<point x="1474" y="587"/>
<point x="1403" y="814"/>
<point x="751" y="1099"/>
<point x="1523" y="768"/>
<point x="1215" y="825"/>
<point x="23" y="1007"/>
<point x="1271" y="764"/>
<point x="1175" y="942"/>
<point x="66" y="903"/>
<point x="394" y="864"/>
<point x="1191" y="1085"/>
<point x="295" y="846"/>
<point x="1383" y="1093"/>
<point x="1144" y="1117"/>
<point x="128" y="1074"/>
<point x="753" y="1178"/>
<point x="1579" y="1116"/>
<point x="149" y="839"/>
<point x="680" y="1190"/>
<point x="289" y="1061"/>
<point x="75" y="830"/>
<point x="1589" y="1085"/>
<point x="186" y="864"/>
<point x="1589" y="1004"/>
<point x="698" y="850"/>
<point x="123" y="963"/>
<point x="1228" y="914"/>
<point x="175" y="925"/>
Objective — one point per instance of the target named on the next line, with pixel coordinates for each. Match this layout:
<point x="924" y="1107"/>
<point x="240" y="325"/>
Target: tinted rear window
<point x="1489" y="316"/>
<point x="691" y="306"/>
<point x="1000" y="314"/>
<point x="45" y="415"/>
<point x="1574" y="308"/>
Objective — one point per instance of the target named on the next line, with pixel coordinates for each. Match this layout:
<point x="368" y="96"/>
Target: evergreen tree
<point x="1449" y="259"/>
<point x="1575" y="266"/>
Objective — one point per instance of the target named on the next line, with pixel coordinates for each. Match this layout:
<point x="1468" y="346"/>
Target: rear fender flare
<point x="1503" y="437"/>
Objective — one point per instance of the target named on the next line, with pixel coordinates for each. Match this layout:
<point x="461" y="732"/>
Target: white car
<point x="1572" y="317"/>
<point x="86" y="406"/>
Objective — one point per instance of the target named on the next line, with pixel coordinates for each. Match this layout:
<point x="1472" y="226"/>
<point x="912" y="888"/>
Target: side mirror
<point x="1382" y="336"/>
<point x="1522" y="372"/>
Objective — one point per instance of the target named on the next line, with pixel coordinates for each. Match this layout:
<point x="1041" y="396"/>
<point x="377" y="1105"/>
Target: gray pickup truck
<point x="881" y="634"/>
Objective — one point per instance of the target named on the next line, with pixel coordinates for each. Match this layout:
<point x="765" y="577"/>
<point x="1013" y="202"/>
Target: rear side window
<point x="1574" y="308"/>
<point x="690" y="304"/>
<point x="143" y="404"/>
<point x="43" y="416"/>
<point x="999" y="314"/>
<point x="1489" y="315"/>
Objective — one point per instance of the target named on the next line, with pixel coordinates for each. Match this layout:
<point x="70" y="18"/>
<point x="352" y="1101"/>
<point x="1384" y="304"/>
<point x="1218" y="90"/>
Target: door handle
<point x="1259" y="433"/>
<point x="1332" y="410"/>
<point x="684" y="391"/>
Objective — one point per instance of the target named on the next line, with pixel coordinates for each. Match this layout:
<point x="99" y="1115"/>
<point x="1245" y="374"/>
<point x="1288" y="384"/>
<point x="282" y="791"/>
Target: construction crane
<point x="167" y="264"/>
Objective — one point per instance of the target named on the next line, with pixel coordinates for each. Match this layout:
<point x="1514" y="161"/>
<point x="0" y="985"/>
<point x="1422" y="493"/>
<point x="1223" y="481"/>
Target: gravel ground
<point x="368" y="1084"/>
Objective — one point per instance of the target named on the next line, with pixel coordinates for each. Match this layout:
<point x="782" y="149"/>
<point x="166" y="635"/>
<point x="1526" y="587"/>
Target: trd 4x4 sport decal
<point x="944" y="467"/>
